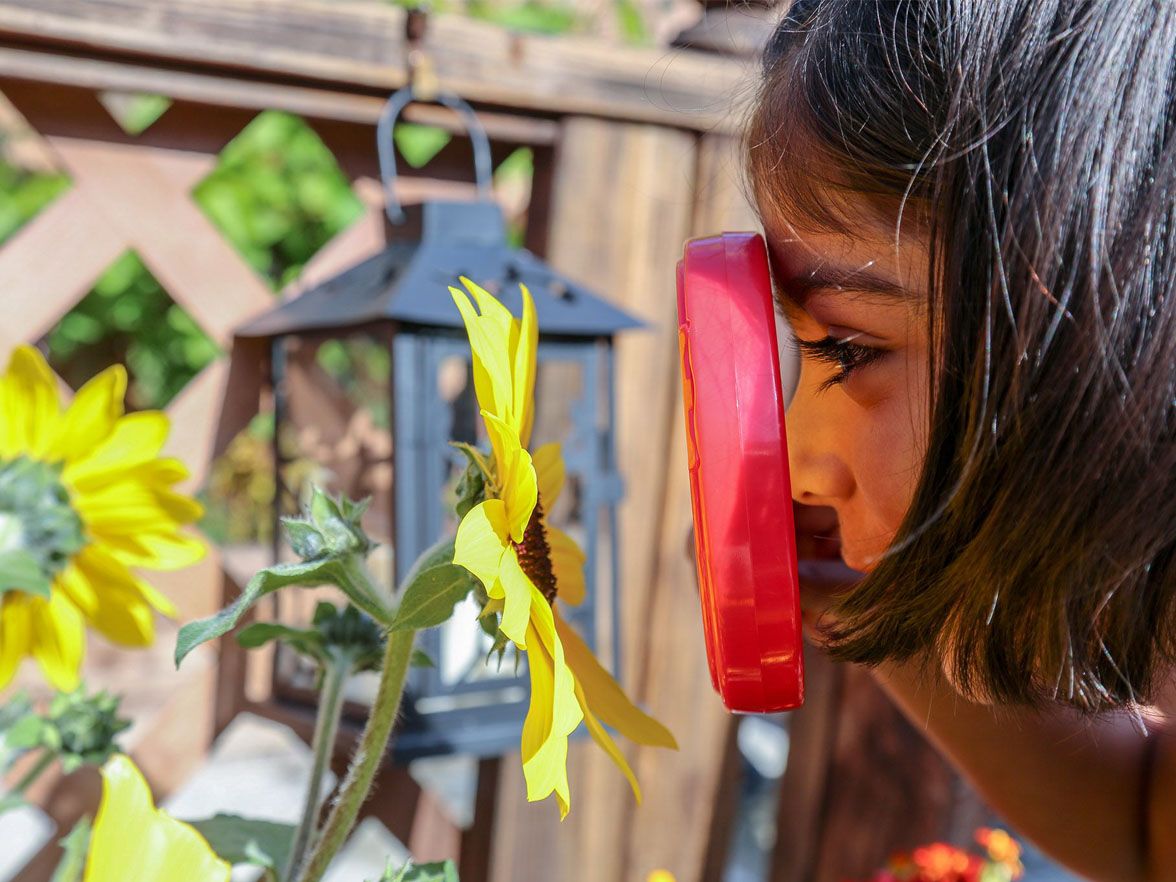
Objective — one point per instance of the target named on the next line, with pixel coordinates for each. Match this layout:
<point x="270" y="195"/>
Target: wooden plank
<point x="363" y="46"/>
<point x="144" y="193"/>
<point x="804" y="789"/>
<point x="672" y="832"/>
<point x="226" y="91"/>
<point x="37" y="284"/>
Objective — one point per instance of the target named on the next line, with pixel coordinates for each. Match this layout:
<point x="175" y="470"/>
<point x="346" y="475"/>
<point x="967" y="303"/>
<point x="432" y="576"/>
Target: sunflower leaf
<point x="247" y="840"/>
<point x="265" y="582"/>
<point x="305" y="641"/>
<point x="421" y="659"/>
<point x="443" y="871"/>
<point x="74" y="848"/>
<point x="429" y="599"/>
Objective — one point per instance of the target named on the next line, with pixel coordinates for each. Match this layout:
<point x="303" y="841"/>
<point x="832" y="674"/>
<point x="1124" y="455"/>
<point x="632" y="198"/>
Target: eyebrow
<point x="798" y="288"/>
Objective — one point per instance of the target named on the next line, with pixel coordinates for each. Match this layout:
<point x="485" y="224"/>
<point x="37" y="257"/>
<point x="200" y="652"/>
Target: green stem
<point x="33" y="774"/>
<point x="368" y="757"/>
<point x="326" y="727"/>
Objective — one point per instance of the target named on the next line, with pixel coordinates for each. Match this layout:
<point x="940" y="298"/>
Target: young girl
<point x="970" y="207"/>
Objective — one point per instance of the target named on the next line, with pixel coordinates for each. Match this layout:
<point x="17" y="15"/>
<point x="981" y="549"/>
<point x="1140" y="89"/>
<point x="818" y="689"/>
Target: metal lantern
<point x="395" y="307"/>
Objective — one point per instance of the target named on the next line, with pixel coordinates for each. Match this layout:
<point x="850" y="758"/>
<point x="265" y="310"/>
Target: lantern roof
<point x="408" y="282"/>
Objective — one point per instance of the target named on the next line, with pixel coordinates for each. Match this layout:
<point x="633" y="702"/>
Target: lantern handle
<point x="392" y="109"/>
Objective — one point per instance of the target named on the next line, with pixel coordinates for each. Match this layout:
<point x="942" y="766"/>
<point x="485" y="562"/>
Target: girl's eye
<point x="842" y="353"/>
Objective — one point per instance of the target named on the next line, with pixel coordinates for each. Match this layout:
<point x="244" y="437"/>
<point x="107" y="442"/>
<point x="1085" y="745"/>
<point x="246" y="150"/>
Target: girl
<point x="970" y="207"/>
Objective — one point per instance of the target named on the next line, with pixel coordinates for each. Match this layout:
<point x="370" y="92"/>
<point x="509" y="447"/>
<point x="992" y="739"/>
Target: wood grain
<point x="362" y="45"/>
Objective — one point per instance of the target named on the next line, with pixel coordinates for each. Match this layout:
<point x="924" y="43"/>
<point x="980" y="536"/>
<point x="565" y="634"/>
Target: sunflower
<point x="526" y="564"/>
<point x="85" y="499"/>
<point x="132" y="839"/>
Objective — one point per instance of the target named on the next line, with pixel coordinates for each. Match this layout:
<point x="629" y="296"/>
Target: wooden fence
<point x="635" y="151"/>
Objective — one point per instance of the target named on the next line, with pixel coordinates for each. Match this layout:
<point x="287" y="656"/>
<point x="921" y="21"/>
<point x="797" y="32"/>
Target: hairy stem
<point x="368" y="757"/>
<point x="326" y="727"/>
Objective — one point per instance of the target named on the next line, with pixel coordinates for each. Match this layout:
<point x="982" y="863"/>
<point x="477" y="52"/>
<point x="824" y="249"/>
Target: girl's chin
<point x="855" y="559"/>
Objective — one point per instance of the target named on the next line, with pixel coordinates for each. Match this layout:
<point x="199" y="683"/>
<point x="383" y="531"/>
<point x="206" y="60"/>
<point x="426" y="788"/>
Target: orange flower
<point x="941" y="863"/>
<point x="1002" y="848"/>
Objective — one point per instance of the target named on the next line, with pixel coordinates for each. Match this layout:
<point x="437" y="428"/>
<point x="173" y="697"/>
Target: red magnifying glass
<point x="745" y="539"/>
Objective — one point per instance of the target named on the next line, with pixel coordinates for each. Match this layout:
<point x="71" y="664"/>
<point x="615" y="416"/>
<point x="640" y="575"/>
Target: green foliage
<point x="418" y="144"/>
<point x="343" y="636"/>
<point x="443" y="871"/>
<point x="429" y="599"/>
<point x="128" y="317"/>
<point x="333" y="546"/>
<point x="79" y="729"/>
<point x="278" y="195"/>
<point x="530" y="16"/>
<point x="23" y="194"/>
<point x="247" y="840"/>
<point x="73" y="856"/>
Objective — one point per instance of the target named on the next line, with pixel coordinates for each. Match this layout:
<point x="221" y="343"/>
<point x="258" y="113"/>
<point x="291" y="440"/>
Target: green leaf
<point x="430" y="597"/>
<point x="434" y="556"/>
<point x="20" y="571"/>
<point x="260" y="633"/>
<point x="247" y="840"/>
<point x="345" y="571"/>
<point x="11" y="802"/>
<point x="265" y="582"/>
<point x="26" y="733"/>
<point x="74" y="848"/>
<point x="443" y="871"/>
<point x="421" y="659"/>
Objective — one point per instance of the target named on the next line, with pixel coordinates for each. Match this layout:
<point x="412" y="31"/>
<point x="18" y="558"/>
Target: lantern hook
<point x="387" y="148"/>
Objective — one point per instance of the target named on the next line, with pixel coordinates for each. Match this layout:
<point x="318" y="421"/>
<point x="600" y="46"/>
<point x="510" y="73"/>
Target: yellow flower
<point x="84" y="498"/>
<point x="132" y="839"/>
<point x="525" y="563"/>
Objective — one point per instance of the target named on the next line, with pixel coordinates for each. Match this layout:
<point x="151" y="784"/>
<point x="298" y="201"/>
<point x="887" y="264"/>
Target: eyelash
<point x="845" y="355"/>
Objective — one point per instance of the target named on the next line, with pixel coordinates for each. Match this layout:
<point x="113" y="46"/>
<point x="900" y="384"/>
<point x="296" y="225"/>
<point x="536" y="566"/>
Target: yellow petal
<point x="601" y="737"/>
<point x="482" y="540"/>
<point x="491" y="361"/>
<point x="155" y="551"/>
<point x="31" y="407"/>
<point x="91" y="416"/>
<point x="549" y="471"/>
<point x="565" y="713"/>
<point x="516" y="475"/>
<point x="130" y="507"/>
<point x="544" y="750"/>
<point x="500" y="325"/>
<point x="57" y="634"/>
<point x="607" y="699"/>
<point x="109" y="597"/>
<point x="517" y="592"/>
<point x="134" y="840"/>
<point x="136" y="439"/>
<point x="567" y="562"/>
<point x="525" y="355"/>
<point x="15" y="630"/>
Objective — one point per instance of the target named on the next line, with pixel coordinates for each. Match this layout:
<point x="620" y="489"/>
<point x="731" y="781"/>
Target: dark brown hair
<point x="1032" y="142"/>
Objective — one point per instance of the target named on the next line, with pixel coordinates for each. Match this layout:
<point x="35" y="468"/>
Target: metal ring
<point x="387" y="148"/>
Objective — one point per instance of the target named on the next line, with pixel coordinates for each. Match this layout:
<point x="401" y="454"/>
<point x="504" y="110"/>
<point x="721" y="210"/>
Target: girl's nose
<point x="819" y="472"/>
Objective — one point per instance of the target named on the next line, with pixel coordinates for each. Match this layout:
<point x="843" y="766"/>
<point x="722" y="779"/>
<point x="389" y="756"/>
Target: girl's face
<point x="857" y="423"/>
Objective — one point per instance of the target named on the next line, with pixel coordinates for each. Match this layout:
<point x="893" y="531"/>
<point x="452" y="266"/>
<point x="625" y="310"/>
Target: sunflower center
<point x="534" y="554"/>
<point x="36" y="517"/>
